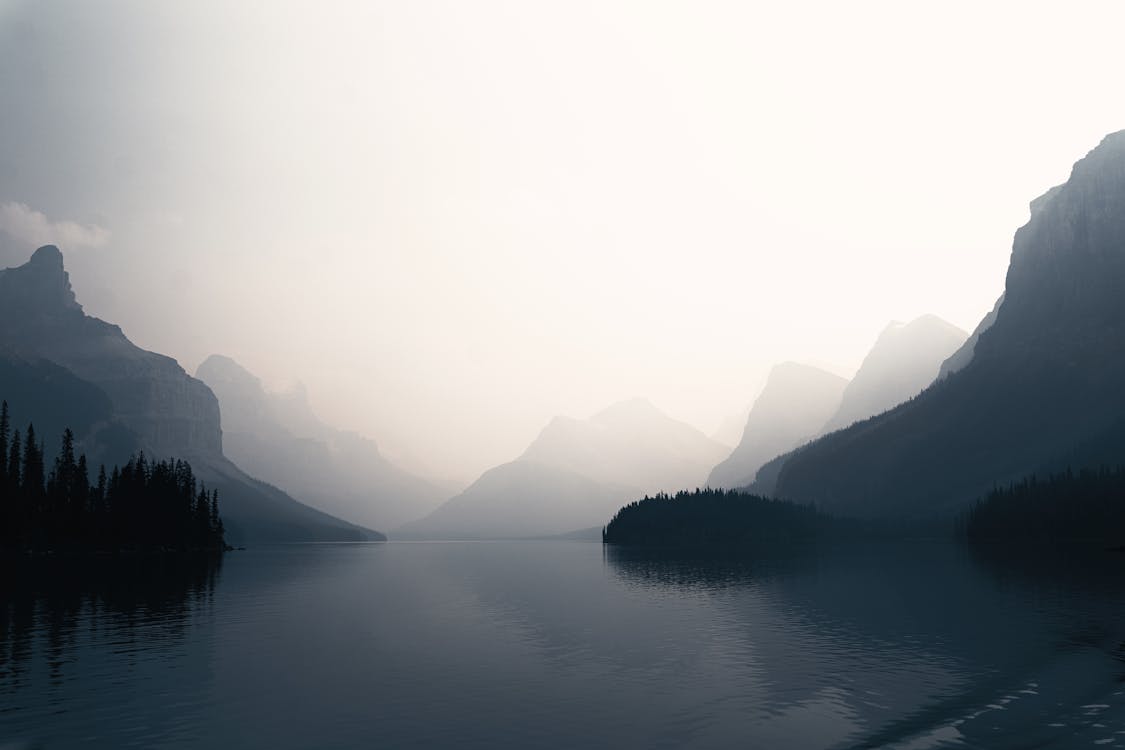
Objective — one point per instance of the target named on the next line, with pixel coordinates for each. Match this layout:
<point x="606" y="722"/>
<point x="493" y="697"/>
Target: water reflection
<point x="921" y="644"/>
<point x="50" y="608"/>
<point x="537" y="644"/>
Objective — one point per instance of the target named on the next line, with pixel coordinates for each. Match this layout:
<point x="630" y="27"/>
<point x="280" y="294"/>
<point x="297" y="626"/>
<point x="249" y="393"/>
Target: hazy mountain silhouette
<point x="791" y="409"/>
<point x="576" y="474"/>
<point x="964" y="355"/>
<point x="277" y="437"/>
<point x="729" y="432"/>
<point x="1042" y="389"/>
<point x="904" y="360"/>
<point x="61" y="366"/>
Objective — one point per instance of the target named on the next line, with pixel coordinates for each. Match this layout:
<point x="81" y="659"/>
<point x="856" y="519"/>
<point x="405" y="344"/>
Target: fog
<point x="453" y="221"/>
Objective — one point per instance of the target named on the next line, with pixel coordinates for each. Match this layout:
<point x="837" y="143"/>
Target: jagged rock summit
<point x="166" y="411"/>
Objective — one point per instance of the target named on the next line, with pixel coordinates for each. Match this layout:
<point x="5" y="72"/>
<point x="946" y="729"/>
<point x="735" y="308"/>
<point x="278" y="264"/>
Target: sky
<point x="452" y="221"/>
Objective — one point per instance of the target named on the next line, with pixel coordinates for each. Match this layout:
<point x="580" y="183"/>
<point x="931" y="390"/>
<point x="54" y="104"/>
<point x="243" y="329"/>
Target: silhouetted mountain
<point x="904" y="360"/>
<point x="62" y="367"/>
<point x="277" y="437"/>
<point x="576" y="474"/>
<point x="520" y="499"/>
<point x="1043" y="387"/>
<point x="791" y="409"/>
<point x="964" y="355"/>
<point x="729" y="432"/>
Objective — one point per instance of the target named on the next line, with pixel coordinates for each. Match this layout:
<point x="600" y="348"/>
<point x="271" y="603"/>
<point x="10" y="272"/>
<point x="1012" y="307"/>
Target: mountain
<point x="904" y="360"/>
<point x="791" y="409"/>
<point x="278" y="437"/>
<point x="59" y="366"/>
<point x="729" y="432"/>
<point x="576" y="474"/>
<point x="964" y="355"/>
<point x="1041" y="391"/>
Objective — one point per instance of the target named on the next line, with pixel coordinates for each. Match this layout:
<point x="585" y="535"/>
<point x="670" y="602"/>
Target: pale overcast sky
<point x="454" y="220"/>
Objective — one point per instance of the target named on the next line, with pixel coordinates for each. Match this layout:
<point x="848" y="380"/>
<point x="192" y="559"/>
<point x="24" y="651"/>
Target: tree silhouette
<point x="144" y="505"/>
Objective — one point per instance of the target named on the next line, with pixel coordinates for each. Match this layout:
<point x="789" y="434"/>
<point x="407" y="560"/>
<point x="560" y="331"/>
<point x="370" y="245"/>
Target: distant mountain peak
<point x="630" y="409"/>
<point x="220" y="368"/>
<point x="40" y="284"/>
<point x="1036" y="389"/>
<point x="905" y="359"/>
<point x="48" y="255"/>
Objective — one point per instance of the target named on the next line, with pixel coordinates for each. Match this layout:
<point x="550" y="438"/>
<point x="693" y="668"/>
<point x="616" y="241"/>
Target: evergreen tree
<point x="33" y="481"/>
<point x="15" y="460"/>
<point x="146" y="504"/>
<point x="5" y="429"/>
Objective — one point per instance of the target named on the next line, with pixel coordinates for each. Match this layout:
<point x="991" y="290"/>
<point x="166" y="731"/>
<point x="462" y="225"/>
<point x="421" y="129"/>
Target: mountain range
<point x="575" y="474"/>
<point x="1040" y="390"/>
<point x="791" y="409"/>
<point x="278" y="437"/>
<point x="62" y="368"/>
<point x="801" y="402"/>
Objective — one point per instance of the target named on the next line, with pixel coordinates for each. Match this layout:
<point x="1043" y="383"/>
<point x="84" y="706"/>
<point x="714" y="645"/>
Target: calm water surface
<point x="543" y="644"/>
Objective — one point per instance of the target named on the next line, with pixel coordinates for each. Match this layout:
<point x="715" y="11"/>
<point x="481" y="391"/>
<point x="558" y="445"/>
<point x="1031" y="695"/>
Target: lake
<point x="567" y="644"/>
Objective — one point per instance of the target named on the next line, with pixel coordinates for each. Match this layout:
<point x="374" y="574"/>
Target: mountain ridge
<point x="151" y="404"/>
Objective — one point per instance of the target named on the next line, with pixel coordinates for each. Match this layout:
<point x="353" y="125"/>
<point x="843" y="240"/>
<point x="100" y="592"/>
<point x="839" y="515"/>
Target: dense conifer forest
<point x="144" y="505"/>
<point x="1089" y="504"/>
<point x="716" y="518"/>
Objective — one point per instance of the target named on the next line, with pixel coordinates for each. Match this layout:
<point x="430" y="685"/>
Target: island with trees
<point x="717" y="518"/>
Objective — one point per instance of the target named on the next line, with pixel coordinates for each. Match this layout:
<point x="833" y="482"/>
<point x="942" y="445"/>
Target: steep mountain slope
<point x="277" y="437"/>
<point x="792" y="408"/>
<point x="126" y="399"/>
<point x="576" y="474"/>
<point x="964" y="355"/>
<point x="1043" y="387"/>
<point x="904" y="360"/>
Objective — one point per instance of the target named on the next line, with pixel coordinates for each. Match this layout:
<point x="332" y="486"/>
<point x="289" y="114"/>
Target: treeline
<point x="1089" y="504"/>
<point x="716" y="518"/>
<point x="144" y="505"/>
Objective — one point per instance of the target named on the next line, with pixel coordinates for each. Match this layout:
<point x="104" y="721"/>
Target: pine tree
<point x="33" y="480"/>
<point x="15" y="460"/>
<point x="5" y="429"/>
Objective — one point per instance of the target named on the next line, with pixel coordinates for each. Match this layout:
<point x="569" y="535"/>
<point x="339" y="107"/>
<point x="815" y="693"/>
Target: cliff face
<point x="169" y="412"/>
<point x="1043" y="387"/>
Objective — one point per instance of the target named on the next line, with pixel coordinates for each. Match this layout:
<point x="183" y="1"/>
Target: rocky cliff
<point x="167" y="411"/>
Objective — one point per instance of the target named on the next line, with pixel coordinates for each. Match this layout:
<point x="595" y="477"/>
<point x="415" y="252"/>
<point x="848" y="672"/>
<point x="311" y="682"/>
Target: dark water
<point x="567" y="645"/>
